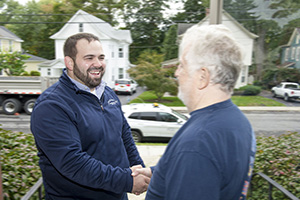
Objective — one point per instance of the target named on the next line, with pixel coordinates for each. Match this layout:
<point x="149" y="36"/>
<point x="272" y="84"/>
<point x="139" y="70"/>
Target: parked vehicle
<point x="125" y="86"/>
<point x="19" y="93"/>
<point x="287" y="90"/>
<point x="152" y="121"/>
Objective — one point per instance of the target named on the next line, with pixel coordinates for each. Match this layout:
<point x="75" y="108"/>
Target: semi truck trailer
<point x="19" y="93"/>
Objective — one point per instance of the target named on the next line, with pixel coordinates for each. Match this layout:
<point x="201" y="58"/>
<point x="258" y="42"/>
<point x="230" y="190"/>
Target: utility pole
<point x="215" y="13"/>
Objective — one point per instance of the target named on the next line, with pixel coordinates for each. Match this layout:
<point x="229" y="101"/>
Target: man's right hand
<point x="140" y="184"/>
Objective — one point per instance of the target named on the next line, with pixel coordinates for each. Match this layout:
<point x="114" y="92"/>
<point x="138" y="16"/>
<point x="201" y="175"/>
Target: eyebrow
<point x="92" y="55"/>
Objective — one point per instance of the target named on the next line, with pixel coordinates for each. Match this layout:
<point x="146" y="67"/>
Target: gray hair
<point x="213" y="47"/>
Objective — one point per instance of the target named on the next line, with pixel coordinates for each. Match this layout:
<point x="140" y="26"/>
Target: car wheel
<point x="286" y="97"/>
<point x="137" y="136"/>
<point x="274" y="94"/>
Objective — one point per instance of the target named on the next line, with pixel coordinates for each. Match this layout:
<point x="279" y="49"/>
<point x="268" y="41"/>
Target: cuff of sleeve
<point x="152" y="169"/>
<point x="129" y="180"/>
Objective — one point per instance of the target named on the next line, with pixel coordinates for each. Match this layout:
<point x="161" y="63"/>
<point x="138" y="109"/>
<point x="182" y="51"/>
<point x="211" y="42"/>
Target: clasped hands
<point x="141" y="179"/>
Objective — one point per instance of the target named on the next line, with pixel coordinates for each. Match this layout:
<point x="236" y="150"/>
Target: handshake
<point x="141" y="179"/>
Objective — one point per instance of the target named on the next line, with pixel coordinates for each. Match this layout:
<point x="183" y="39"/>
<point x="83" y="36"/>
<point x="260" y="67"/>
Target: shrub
<point x="35" y="73"/>
<point x="278" y="158"/>
<point x="250" y="90"/>
<point x="19" y="163"/>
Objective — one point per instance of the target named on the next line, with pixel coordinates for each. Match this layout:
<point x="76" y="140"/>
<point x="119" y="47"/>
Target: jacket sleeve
<point x="58" y="140"/>
<point x="131" y="149"/>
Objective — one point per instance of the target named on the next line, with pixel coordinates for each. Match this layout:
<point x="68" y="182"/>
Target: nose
<point x="176" y="74"/>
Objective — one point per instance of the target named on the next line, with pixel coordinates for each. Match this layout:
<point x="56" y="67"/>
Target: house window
<point x="81" y="27"/>
<point x="121" y="53"/>
<point x="298" y="54"/>
<point x="10" y="46"/>
<point x="121" y="73"/>
<point x="293" y="53"/>
<point x="287" y="54"/>
<point x="49" y="72"/>
<point x="243" y="74"/>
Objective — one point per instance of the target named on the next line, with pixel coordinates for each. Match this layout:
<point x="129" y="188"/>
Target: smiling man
<point x="83" y="140"/>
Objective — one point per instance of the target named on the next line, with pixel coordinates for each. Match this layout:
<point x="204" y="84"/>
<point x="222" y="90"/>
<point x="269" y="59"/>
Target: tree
<point x="285" y="7"/>
<point x="170" y="47"/>
<point x="150" y="73"/>
<point x="145" y="21"/>
<point x="194" y="11"/>
<point x="12" y="63"/>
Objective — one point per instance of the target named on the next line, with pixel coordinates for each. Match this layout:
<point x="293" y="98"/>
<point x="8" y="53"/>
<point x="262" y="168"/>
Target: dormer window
<point x="81" y="27"/>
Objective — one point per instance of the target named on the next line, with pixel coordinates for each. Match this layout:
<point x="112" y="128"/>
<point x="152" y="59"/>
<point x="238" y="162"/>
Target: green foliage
<point x="272" y="77"/>
<point x="150" y="73"/>
<point x="12" y="63"/>
<point x="170" y="47"/>
<point x="19" y="163"/>
<point x="194" y="11"/>
<point x="35" y="73"/>
<point x="250" y="90"/>
<point x="278" y="158"/>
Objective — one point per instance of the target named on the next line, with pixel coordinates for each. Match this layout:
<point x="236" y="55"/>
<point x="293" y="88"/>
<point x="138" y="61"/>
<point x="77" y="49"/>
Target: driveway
<point x="269" y="95"/>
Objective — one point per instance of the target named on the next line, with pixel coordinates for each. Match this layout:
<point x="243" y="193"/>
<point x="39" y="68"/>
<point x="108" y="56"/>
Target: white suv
<point x="152" y="121"/>
<point x="125" y="86"/>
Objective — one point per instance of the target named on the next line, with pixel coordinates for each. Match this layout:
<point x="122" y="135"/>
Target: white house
<point x="242" y="35"/>
<point x="115" y="45"/>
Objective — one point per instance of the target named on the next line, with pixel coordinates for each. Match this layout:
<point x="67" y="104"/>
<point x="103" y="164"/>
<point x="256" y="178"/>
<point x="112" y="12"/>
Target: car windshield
<point x="123" y="82"/>
<point x="180" y="115"/>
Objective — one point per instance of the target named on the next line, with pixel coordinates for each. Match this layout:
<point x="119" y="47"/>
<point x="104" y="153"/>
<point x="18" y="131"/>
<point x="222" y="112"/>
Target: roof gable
<point x="295" y="34"/>
<point x="227" y="18"/>
<point x="103" y="29"/>
<point x="7" y="34"/>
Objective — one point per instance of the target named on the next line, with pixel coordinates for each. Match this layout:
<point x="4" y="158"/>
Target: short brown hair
<point x="70" y="44"/>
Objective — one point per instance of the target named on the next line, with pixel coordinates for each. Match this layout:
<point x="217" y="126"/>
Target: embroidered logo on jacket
<point x="112" y="102"/>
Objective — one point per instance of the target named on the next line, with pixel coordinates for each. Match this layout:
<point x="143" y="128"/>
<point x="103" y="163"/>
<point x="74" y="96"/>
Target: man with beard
<point x="83" y="140"/>
<point x="211" y="157"/>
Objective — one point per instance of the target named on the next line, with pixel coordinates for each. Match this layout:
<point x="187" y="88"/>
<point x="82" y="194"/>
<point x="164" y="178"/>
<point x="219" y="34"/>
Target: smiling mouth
<point x="95" y="72"/>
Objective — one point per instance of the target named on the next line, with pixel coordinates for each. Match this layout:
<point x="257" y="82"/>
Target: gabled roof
<point x="295" y="32"/>
<point x="99" y="25"/>
<point x="50" y="63"/>
<point x="34" y="58"/>
<point x="7" y="34"/>
<point x="251" y="35"/>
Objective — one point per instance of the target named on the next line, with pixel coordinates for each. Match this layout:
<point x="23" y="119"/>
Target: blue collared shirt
<point x="98" y="90"/>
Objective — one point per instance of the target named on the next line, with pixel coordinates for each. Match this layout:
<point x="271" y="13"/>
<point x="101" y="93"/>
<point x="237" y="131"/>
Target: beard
<point x="85" y="77"/>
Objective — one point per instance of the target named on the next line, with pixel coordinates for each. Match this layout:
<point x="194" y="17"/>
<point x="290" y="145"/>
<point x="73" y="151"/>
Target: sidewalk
<point x="150" y="155"/>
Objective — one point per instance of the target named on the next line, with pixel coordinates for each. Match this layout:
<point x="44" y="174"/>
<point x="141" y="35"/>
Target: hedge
<point x="277" y="157"/>
<point x="19" y="163"/>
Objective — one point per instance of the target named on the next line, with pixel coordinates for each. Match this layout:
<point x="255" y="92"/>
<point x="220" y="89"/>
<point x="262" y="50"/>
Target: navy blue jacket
<point x="85" y="145"/>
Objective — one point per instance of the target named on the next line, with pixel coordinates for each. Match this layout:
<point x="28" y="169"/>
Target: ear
<point x="69" y="63"/>
<point x="203" y="78"/>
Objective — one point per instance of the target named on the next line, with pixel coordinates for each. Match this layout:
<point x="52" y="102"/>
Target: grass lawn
<point x="150" y="97"/>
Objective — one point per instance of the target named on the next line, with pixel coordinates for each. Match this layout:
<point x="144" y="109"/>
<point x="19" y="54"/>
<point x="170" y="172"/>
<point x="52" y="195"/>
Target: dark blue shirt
<point x="207" y="159"/>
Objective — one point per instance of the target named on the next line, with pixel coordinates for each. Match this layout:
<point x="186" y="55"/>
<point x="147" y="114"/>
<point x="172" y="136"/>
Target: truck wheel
<point x="28" y="106"/>
<point x="11" y="106"/>
<point x="286" y="97"/>
<point x="137" y="137"/>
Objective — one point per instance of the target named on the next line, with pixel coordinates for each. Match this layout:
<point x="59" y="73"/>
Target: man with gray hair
<point x="212" y="155"/>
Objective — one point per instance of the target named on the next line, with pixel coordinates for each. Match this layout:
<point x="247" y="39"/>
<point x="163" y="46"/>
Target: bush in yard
<point x="19" y="163"/>
<point x="249" y="90"/>
<point x="278" y="158"/>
